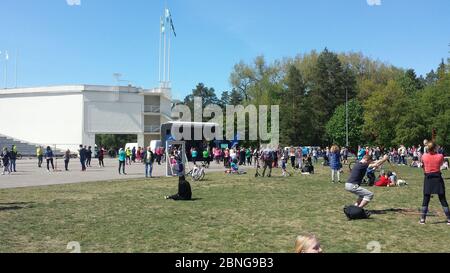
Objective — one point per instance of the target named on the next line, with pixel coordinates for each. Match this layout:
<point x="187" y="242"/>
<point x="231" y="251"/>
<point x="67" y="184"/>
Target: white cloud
<point x="73" y="2"/>
<point x="374" y="2"/>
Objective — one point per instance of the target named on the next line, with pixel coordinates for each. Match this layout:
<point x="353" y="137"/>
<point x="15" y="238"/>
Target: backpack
<point x="356" y="213"/>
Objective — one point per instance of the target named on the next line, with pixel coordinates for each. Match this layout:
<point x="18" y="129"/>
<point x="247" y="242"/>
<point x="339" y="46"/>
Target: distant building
<point x="68" y="116"/>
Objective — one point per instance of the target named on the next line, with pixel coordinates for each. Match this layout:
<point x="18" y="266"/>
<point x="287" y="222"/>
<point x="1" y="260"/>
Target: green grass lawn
<point x="231" y="214"/>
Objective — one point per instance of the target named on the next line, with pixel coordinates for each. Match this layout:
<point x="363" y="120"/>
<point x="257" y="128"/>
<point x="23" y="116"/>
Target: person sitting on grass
<point x="234" y="168"/>
<point x="184" y="191"/>
<point x="385" y="180"/>
<point x="308" y="168"/>
<point x="307" y="245"/>
<point x="444" y="166"/>
<point x="371" y="176"/>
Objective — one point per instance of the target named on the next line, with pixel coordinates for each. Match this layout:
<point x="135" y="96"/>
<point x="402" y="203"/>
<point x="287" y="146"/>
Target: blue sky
<point x="73" y="44"/>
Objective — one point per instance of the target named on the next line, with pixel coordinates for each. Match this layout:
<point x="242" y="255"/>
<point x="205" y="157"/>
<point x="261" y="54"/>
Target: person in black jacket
<point x="88" y="156"/>
<point x="82" y="152"/>
<point x="184" y="190"/>
<point x="13" y="158"/>
<point x="5" y="155"/>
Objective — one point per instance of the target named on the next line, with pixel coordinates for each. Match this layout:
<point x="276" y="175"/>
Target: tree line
<point x="387" y="105"/>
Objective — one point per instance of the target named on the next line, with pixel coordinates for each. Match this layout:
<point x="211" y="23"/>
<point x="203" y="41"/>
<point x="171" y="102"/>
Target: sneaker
<point x="422" y="222"/>
<point x="448" y="222"/>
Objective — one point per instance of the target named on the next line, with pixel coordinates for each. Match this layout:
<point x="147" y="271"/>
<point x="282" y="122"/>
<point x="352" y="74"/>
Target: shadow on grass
<point x="386" y="211"/>
<point x="439" y="223"/>
<point x="15" y="206"/>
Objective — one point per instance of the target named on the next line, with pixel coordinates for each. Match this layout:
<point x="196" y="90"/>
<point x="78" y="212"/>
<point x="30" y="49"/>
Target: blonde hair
<point x="303" y="242"/>
<point x="334" y="149"/>
<point x="431" y="147"/>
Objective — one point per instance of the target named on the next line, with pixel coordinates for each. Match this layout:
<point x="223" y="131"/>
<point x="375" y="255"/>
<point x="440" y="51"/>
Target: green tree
<point x="295" y="124"/>
<point x="236" y="97"/>
<point x="225" y="99"/>
<point x="336" y="126"/>
<point x="330" y="85"/>
<point x="434" y="109"/>
<point x="410" y="83"/>
<point x="208" y="96"/>
<point x="382" y="111"/>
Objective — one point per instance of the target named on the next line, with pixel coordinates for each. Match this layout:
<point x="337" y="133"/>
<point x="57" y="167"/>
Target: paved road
<point x="29" y="175"/>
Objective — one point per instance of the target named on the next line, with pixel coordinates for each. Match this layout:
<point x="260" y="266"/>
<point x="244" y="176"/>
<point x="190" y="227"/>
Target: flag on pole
<point x="167" y="14"/>
<point x="173" y="28"/>
<point x="169" y="20"/>
<point x="163" y="26"/>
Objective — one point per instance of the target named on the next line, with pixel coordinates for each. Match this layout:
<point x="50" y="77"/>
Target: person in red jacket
<point x="384" y="181"/>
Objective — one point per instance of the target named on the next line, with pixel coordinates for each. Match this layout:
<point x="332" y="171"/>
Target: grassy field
<point x="230" y="214"/>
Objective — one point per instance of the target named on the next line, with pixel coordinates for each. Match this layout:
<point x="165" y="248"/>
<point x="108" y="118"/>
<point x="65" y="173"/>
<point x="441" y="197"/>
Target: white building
<point x="67" y="116"/>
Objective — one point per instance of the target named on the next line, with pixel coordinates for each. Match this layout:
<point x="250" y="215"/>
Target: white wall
<point x="42" y="118"/>
<point x="166" y="106"/>
<point x="111" y="114"/>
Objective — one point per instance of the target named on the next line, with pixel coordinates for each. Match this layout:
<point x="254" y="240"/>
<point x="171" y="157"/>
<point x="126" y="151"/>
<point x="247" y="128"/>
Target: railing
<point x="152" y="109"/>
<point x="152" y="129"/>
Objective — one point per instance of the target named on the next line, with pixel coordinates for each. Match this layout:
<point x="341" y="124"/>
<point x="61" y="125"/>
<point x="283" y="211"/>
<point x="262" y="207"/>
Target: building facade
<point x="67" y="116"/>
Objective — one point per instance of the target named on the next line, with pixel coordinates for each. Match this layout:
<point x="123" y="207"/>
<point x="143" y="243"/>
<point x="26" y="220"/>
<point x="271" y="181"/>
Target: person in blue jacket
<point x="335" y="164"/>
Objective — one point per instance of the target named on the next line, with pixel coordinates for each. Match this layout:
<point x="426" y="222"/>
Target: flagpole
<point x="165" y="60"/>
<point x="159" y="53"/>
<point x="17" y="61"/>
<point x="6" y="69"/>
<point x="168" y="59"/>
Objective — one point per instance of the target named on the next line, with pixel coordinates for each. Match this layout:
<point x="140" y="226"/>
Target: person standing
<point x="49" y="157"/>
<point x="88" y="156"/>
<point x="82" y="154"/>
<point x="40" y="155"/>
<point x="66" y="160"/>
<point x="242" y="154"/>
<point x="402" y="153"/>
<point x="194" y="155"/>
<point x="133" y="155"/>
<point x="5" y="161"/>
<point x="122" y="159"/>
<point x="128" y="156"/>
<point x="158" y="155"/>
<point x="206" y="157"/>
<point x="335" y="164"/>
<point x="149" y="159"/>
<point x="101" y="157"/>
<point x="13" y="158"/>
<point x="139" y="153"/>
<point x="226" y="158"/>
<point x="292" y="157"/>
<point x="314" y="154"/>
<point x="433" y="182"/>
<point x="345" y="155"/>
<point x="248" y="156"/>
